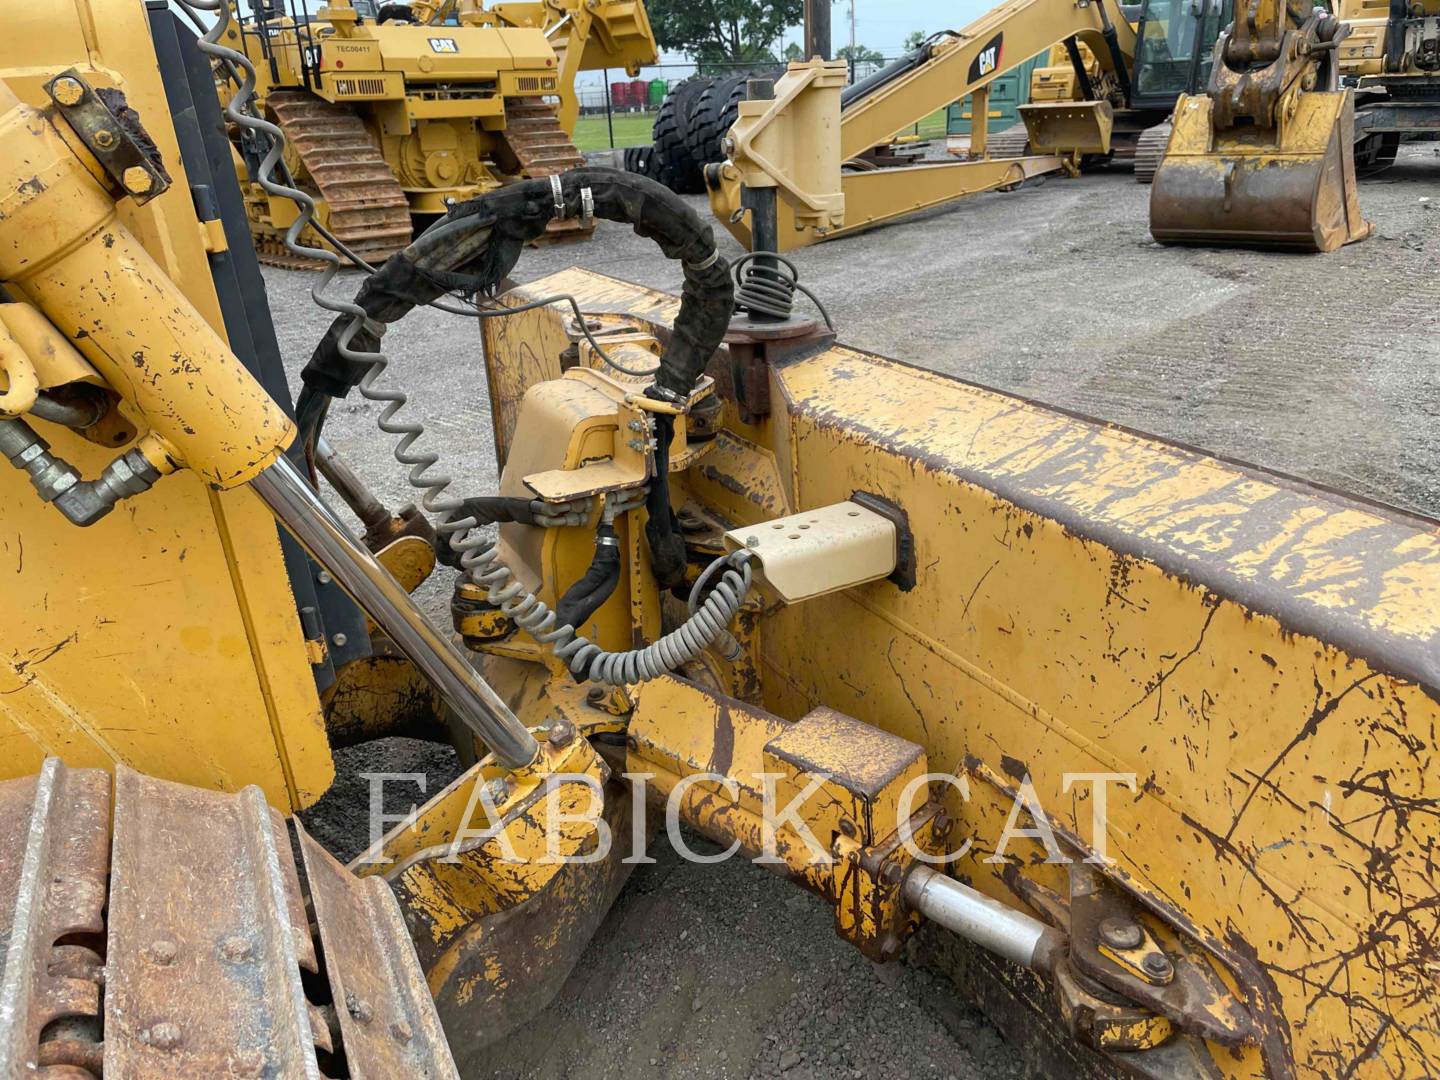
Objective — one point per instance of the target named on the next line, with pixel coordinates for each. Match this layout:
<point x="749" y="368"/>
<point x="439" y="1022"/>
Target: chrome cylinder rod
<point x="306" y="517"/>
<point x="988" y="923"/>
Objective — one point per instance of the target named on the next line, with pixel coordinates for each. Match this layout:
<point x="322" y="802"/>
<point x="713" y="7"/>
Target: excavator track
<point x="188" y="941"/>
<point x="1150" y="151"/>
<point x="538" y="142"/>
<point x="366" y="207"/>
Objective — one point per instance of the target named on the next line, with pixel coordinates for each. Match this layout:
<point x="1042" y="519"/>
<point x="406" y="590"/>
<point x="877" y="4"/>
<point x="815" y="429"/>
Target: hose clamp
<point x="705" y="263"/>
<point x="587" y="208"/>
<point x="607" y="541"/>
<point x="559" y="193"/>
<point x="667" y="395"/>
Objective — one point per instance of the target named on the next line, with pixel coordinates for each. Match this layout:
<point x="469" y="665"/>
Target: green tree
<point x="913" y="40"/>
<point x="794" y="52"/>
<point x="860" y="54"/>
<point x="723" y="31"/>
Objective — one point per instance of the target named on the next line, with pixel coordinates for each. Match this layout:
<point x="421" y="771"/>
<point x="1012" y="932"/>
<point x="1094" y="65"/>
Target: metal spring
<point x="766" y="284"/>
<point x="479" y="558"/>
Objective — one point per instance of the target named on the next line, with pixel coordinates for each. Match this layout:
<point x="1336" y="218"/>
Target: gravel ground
<point x="1319" y="366"/>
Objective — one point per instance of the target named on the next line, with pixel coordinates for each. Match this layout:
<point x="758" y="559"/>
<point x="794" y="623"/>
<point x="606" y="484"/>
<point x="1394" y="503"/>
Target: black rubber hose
<point x="487" y="510"/>
<point x="585" y="597"/>
<point x="507" y="219"/>
<point x="889" y="73"/>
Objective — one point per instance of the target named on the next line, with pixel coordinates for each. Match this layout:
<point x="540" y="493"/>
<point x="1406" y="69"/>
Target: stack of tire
<point x="688" y="130"/>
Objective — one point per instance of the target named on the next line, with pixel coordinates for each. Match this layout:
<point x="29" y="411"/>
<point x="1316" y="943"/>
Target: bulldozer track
<point x="541" y="146"/>
<point x="180" y="944"/>
<point x="366" y="207"/>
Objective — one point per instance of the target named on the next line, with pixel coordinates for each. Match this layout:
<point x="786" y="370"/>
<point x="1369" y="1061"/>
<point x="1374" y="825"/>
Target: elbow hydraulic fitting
<point x="83" y="502"/>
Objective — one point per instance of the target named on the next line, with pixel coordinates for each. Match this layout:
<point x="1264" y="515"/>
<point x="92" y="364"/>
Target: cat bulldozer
<point x="1141" y="738"/>
<point x="391" y="112"/>
<point x="1266" y="157"/>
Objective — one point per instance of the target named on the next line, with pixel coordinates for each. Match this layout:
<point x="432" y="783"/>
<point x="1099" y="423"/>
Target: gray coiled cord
<point x="479" y="558"/>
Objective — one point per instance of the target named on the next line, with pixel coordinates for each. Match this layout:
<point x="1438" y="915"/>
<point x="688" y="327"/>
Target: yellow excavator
<point x="1113" y="78"/>
<point x="1266" y="157"/>
<point x="390" y="112"/>
<point x="1392" y="59"/>
<point x="1144" y="737"/>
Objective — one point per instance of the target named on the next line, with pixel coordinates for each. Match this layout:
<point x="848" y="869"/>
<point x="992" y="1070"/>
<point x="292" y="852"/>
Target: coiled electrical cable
<point x="766" y="284"/>
<point x="479" y="558"/>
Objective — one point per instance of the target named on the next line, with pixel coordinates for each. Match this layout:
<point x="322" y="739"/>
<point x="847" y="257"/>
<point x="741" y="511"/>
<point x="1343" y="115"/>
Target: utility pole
<point x="852" y="31"/>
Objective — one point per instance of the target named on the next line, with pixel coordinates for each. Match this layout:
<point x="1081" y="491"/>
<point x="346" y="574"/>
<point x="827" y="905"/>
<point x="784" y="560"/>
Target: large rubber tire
<point x="678" y="170"/>
<point x="708" y="123"/>
<point x="644" y="161"/>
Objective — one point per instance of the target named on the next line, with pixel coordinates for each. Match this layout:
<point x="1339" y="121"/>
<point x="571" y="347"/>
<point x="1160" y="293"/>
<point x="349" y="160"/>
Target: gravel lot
<point x="1319" y="366"/>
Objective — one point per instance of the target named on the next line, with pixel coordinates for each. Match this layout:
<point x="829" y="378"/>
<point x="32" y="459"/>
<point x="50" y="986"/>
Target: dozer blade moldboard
<point x="182" y="946"/>
<point x="1240" y="188"/>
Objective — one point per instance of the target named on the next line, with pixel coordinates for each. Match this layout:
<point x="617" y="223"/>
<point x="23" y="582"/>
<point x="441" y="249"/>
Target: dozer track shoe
<point x="180" y="945"/>
<point x="364" y="205"/>
<point x="1240" y="188"/>
<point x="537" y="141"/>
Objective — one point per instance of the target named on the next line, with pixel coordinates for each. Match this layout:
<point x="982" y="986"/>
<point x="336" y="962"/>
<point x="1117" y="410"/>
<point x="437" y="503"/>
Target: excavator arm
<point x="803" y="140"/>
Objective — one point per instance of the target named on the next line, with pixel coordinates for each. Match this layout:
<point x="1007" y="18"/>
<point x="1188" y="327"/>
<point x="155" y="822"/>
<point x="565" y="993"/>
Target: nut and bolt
<point x="1121" y="933"/>
<point x="497" y="790"/>
<point x="847" y="827"/>
<point x="136" y="180"/>
<point x="1158" y="966"/>
<point x="890" y="874"/>
<point x="104" y="138"/>
<point x="339" y="640"/>
<point x="67" y="91"/>
<point x="402" y="1031"/>
<point x="163" y="952"/>
<point x="595" y="695"/>
<point x="635" y="425"/>
<point x="324" y="577"/>
<point x="561" y="732"/>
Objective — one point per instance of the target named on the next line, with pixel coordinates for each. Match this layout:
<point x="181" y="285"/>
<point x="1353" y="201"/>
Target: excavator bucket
<point x="1069" y="127"/>
<point x="1245" y="188"/>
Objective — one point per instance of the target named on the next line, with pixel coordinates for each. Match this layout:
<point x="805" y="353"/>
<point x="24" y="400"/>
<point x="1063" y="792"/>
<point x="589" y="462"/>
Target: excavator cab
<point x="1176" y="46"/>
<point x="1265" y="158"/>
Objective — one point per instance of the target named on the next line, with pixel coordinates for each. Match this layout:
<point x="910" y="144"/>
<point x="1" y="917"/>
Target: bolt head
<point x="163" y="1036"/>
<point x="339" y="640"/>
<point x="595" y="695"/>
<point x="497" y="790"/>
<point x="67" y="91"/>
<point x="137" y="181"/>
<point x="401" y="1031"/>
<point x="1121" y="933"/>
<point x="163" y="952"/>
<point x="1157" y="965"/>
<point x="359" y="1008"/>
<point x="235" y="948"/>
<point x="561" y="732"/>
<point x="104" y="138"/>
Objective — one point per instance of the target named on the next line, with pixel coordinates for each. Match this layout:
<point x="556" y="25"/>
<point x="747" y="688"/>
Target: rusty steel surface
<point x="54" y="852"/>
<point x="203" y="976"/>
<point x="387" y="1019"/>
<point x="208" y="964"/>
<point x="540" y="146"/>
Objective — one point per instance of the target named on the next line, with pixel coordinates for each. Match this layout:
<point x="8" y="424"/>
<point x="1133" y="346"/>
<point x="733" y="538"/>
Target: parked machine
<point x="390" y="116"/>
<point x="1266" y="157"/>
<point x="735" y="556"/>
<point x="1392" y="59"/>
<point x="818" y="141"/>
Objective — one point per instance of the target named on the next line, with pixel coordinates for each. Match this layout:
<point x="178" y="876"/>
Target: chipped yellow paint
<point x="1262" y="655"/>
<point x="93" y="663"/>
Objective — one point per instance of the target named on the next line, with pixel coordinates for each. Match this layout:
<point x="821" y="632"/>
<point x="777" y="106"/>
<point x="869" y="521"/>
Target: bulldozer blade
<point x="1243" y="188"/>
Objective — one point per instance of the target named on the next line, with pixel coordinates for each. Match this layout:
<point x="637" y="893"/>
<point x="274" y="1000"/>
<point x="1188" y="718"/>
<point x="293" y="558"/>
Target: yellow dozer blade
<point x="1244" y="187"/>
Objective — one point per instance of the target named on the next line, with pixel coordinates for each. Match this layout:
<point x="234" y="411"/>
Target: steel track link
<point x="182" y="945"/>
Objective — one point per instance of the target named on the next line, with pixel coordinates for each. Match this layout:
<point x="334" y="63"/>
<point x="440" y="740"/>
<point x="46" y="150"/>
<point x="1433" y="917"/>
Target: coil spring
<point x="479" y="558"/>
<point x="766" y="284"/>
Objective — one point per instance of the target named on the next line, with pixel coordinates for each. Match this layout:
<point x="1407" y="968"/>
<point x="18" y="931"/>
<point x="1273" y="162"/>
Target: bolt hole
<point x="804" y="526"/>
<point x="854" y="513"/>
<point x="794" y="536"/>
<point x="777" y="526"/>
